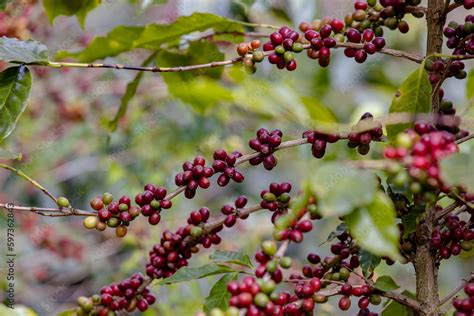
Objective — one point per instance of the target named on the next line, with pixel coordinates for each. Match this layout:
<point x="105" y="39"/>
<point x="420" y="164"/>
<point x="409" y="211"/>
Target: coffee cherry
<point x="63" y="202"/>
<point x="269" y="247"/>
<point x="97" y="204"/>
<point x="90" y="222"/>
<point x="121" y="231"/>
<point x="344" y="303"/>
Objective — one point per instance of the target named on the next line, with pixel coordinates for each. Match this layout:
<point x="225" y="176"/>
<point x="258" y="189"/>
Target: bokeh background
<point x="66" y="146"/>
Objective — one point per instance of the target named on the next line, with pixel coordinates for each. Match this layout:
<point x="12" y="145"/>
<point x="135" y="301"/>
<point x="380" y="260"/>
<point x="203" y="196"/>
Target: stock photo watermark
<point x="10" y="257"/>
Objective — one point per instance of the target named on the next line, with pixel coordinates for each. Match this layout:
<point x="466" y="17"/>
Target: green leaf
<point x="15" y="86"/>
<point x="374" y="227"/>
<point x="219" y="296"/>
<point x="386" y="283"/>
<point x="368" y="262"/>
<point x="340" y="229"/>
<point x="119" y="40"/>
<point x="317" y="111"/>
<point x="397" y="309"/>
<point x="154" y="35"/>
<point x="470" y="85"/>
<point x="234" y="257"/>
<point x="13" y="50"/>
<point x="414" y="96"/>
<point x="5" y="154"/>
<point x="340" y="189"/>
<point x="129" y="93"/>
<point x="458" y="169"/>
<point x="187" y="273"/>
<point x="410" y="220"/>
<point x="79" y="8"/>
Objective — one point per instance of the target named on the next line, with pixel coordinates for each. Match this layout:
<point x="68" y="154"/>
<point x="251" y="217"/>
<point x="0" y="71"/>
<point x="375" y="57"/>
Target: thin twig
<point x="47" y="211"/>
<point x="458" y="288"/>
<point x="465" y="139"/>
<point x="32" y="181"/>
<point x="403" y="299"/>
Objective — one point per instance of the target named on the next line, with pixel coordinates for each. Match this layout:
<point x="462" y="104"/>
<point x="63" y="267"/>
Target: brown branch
<point x="452" y="7"/>
<point x="47" y="211"/>
<point x="458" y="288"/>
<point x="465" y="139"/>
<point x="403" y="299"/>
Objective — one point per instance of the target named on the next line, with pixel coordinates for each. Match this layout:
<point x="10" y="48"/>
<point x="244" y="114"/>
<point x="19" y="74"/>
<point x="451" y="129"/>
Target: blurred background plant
<point x="68" y="145"/>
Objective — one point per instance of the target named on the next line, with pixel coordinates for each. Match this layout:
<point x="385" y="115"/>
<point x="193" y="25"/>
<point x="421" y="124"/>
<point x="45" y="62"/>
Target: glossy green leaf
<point x="458" y="169"/>
<point x="119" y="40"/>
<point x="79" y="8"/>
<point x="219" y="296"/>
<point x="340" y="189"/>
<point x="410" y="220"/>
<point x="15" y="87"/>
<point x="368" y="262"/>
<point x="125" y="38"/>
<point x="375" y="228"/>
<point x="240" y="258"/>
<point x="385" y="283"/>
<point x="413" y="97"/>
<point x="340" y="229"/>
<point x="470" y="85"/>
<point x="397" y="309"/>
<point x="154" y="35"/>
<point x="188" y="273"/>
<point x="13" y="50"/>
<point x="317" y="111"/>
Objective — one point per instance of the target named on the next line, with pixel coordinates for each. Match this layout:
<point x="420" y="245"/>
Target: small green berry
<point x="261" y="300"/>
<point x="107" y="198"/>
<point x="268" y="286"/>
<point x="123" y="207"/>
<point x="197" y="231"/>
<point x="286" y="262"/>
<point x="271" y="266"/>
<point x="113" y="222"/>
<point x="90" y="222"/>
<point x="297" y="47"/>
<point x="63" y="202"/>
<point x="280" y="50"/>
<point x="258" y="56"/>
<point x="269" y="247"/>
<point x="288" y="56"/>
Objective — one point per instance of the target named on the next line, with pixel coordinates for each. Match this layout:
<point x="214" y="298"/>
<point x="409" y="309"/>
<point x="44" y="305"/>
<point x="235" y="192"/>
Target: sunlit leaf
<point x="189" y="273"/>
<point x="79" y="8"/>
<point x="13" y="50"/>
<point x="375" y="228"/>
<point x="385" y="283"/>
<point x="413" y="97"/>
<point x="235" y="257"/>
<point x="219" y="296"/>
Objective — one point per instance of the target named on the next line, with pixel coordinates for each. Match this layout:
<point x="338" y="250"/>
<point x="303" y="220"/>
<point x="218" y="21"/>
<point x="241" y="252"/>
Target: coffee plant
<point x="411" y="202"/>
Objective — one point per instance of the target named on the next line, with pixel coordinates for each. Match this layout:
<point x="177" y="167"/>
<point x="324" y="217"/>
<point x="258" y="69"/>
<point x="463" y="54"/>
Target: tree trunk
<point x="426" y="268"/>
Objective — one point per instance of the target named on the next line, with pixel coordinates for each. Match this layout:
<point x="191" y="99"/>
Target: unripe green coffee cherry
<point x="336" y="276"/>
<point x="216" y="312"/>
<point x="285" y="197"/>
<point x="280" y="50"/>
<point x="297" y="47"/>
<point x="232" y="311"/>
<point x="268" y="286"/>
<point x="123" y="207"/>
<point x="63" y="202"/>
<point x="96" y="299"/>
<point x="344" y="274"/>
<point x="269" y="197"/>
<point x="90" y="222"/>
<point x="288" y="56"/>
<point x="271" y="266"/>
<point x="286" y="262"/>
<point x="155" y="204"/>
<point x="375" y="299"/>
<point x="258" y="56"/>
<point x="269" y="247"/>
<point x="404" y="140"/>
<point x="113" y="222"/>
<point x="261" y="300"/>
<point x="466" y="245"/>
<point x="320" y="299"/>
<point x="85" y="303"/>
<point x="107" y="198"/>
<point x="196" y="231"/>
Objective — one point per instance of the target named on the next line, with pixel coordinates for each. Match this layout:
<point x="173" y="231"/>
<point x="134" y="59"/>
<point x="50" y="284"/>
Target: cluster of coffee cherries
<point x="268" y="263"/>
<point x="284" y="43"/>
<point x="364" y="132"/>
<point x="367" y="296"/>
<point x="117" y="215"/>
<point x="371" y="43"/>
<point x="336" y="267"/>
<point x="467" y="4"/>
<point x="250" y="54"/>
<point x="225" y="163"/>
<point x="421" y="150"/>
<point x="447" y="120"/>
<point x="233" y="212"/>
<point x="321" y="40"/>
<point x="124" y="296"/>
<point x="265" y="143"/>
<point x="151" y="201"/>
<point x="277" y="197"/>
<point x="319" y="141"/>
<point x="195" y="174"/>
<point x="453" y="237"/>
<point x="465" y="307"/>
<point x="175" y="249"/>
